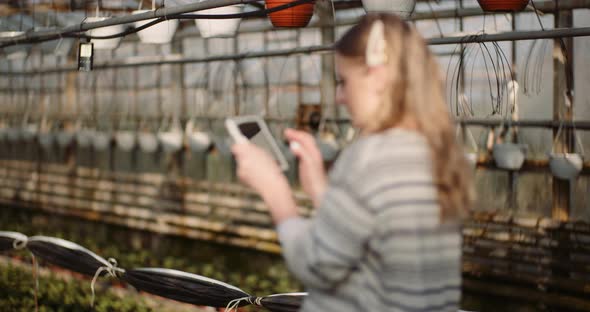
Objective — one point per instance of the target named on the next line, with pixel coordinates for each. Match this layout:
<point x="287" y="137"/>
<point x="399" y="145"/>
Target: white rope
<point x="235" y="304"/>
<point x="19" y="244"/>
<point x="111" y="269"/>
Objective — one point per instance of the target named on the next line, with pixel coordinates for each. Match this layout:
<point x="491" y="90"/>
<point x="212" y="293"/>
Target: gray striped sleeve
<point x="323" y="251"/>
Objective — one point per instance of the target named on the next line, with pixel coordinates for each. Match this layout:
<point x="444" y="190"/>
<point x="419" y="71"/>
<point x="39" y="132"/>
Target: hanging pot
<point x="402" y="8"/>
<point x="328" y="146"/>
<point x="84" y="138"/>
<point x="565" y="166"/>
<point x="105" y="44"/>
<point x="125" y="140"/>
<point x="157" y="34"/>
<point x="471" y="158"/>
<point x="12" y="134"/>
<point x="64" y="138"/>
<point x="171" y="140"/>
<point x="28" y="132"/>
<point x="148" y="142"/>
<point x="46" y="140"/>
<point x="297" y="16"/>
<point x="509" y="156"/>
<point x="101" y="140"/>
<point x="502" y="5"/>
<point x="219" y="27"/>
<point x="19" y="51"/>
<point x="199" y="141"/>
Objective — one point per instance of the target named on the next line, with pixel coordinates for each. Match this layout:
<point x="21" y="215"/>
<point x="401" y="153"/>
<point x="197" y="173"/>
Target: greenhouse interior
<point x="123" y="187"/>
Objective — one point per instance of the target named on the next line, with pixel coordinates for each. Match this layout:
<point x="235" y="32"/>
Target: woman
<point x="386" y="233"/>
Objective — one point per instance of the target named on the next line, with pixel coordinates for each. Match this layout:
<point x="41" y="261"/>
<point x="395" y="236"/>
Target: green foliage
<point x="55" y="294"/>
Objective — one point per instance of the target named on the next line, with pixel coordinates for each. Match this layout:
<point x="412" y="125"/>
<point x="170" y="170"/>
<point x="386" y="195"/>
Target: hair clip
<point x="376" y="46"/>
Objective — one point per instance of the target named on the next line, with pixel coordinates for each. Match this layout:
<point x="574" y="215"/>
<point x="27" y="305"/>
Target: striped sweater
<point x="376" y="242"/>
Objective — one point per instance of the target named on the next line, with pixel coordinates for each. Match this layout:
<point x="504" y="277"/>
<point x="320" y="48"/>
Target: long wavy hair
<point x="417" y="89"/>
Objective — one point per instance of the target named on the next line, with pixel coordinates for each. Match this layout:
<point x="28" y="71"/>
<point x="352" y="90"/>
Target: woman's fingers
<point x="306" y="142"/>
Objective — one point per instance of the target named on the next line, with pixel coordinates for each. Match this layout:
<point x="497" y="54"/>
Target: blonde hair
<point x="416" y="89"/>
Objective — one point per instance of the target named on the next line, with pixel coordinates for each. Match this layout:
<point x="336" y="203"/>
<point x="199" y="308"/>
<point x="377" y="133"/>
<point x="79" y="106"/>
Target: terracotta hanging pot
<point x="503" y="5"/>
<point x="297" y="16"/>
<point x="402" y="8"/>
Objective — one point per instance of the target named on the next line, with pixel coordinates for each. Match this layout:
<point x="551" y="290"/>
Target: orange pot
<point x="503" y="5"/>
<point x="297" y="16"/>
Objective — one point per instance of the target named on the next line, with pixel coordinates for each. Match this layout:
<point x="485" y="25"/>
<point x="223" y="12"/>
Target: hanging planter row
<point x="163" y="32"/>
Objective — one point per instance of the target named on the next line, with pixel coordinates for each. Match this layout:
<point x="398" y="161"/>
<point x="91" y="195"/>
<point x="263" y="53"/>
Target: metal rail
<point x="162" y="12"/>
<point x="177" y="59"/>
<point x="543" y="7"/>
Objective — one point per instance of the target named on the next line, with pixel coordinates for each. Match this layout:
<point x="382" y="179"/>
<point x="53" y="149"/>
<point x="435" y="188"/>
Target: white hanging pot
<point x="565" y="166"/>
<point x="84" y="138"/>
<point x="148" y="142"/>
<point x="402" y="8"/>
<point x="105" y="44"/>
<point x="65" y="138"/>
<point x="171" y="140"/>
<point x="219" y="27"/>
<point x="471" y="158"/>
<point x="101" y="140"/>
<point x="328" y="146"/>
<point x="19" y="51"/>
<point x="28" y="132"/>
<point x="199" y="141"/>
<point x="509" y="156"/>
<point x="13" y="134"/>
<point x="46" y="140"/>
<point x="157" y="34"/>
<point x="125" y="140"/>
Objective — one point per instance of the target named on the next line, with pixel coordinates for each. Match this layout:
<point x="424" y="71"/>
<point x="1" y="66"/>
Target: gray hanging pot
<point x="28" y="132"/>
<point x="65" y="138"/>
<point x="101" y="140"/>
<point x="84" y="137"/>
<point x="565" y="166"/>
<point x="509" y="156"/>
<point x="46" y="140"/>
<point x="12" y="134"/>
<point x="328" y="146"/>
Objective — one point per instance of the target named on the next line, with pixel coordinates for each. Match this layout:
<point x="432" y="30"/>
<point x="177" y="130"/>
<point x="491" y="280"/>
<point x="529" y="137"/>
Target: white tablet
<point x="254" y="129"/>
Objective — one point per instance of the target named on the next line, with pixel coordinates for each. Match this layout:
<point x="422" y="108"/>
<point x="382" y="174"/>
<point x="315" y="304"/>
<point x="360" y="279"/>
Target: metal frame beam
<point x="177" y="59"/>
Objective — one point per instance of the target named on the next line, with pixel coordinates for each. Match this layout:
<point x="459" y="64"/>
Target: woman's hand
<point x="259" y="170"/>
<point x="312" y="174"/>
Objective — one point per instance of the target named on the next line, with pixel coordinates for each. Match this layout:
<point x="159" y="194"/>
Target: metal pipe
<point x="162" y="12"/>
<point x="550" y="124"/>
<point x="176" y="59"/>
<point x="544" y="7"/>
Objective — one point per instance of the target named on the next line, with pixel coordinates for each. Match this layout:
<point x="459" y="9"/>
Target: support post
<point x="327" y="83"/>
<point x="562" y="110"/>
